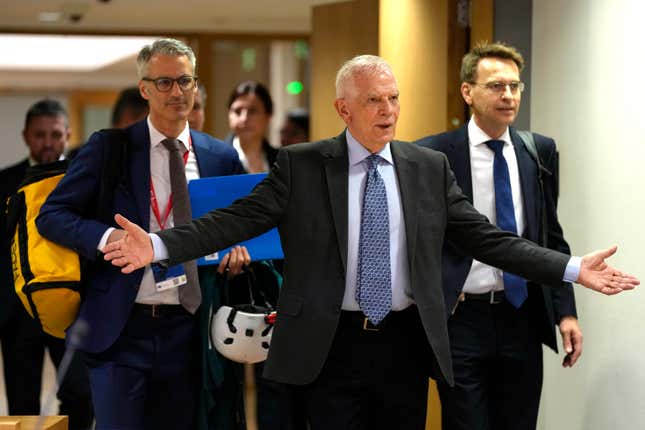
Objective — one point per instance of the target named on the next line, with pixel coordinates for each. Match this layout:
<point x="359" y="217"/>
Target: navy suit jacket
<point x="555" y="303"/>
<point x="10" y="179"/>
<point x="109" y="294"/>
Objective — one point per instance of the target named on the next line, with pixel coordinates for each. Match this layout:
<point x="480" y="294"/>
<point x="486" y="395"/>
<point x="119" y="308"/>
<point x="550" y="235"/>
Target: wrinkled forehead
<point x="372" y="83"/>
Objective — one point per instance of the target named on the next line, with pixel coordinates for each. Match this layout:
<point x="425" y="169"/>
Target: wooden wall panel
<point x="481" y="20"/>
<point x="413" y="38"/>
<point x="340" y="31"/>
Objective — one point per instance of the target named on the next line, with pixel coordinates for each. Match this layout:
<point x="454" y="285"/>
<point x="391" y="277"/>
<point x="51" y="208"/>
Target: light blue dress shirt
<point x="400" y="276"/>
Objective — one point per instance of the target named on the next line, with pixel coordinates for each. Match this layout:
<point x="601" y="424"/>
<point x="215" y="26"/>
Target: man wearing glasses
<point x="142" y="366"/>
<point x="497" y="322"/>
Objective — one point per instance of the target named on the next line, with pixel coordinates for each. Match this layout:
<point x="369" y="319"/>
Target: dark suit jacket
<point x="554" y="303"/>
<point x="109" y="294"/>
<point x="10" y="179"/>
<point x="305" y="196"/>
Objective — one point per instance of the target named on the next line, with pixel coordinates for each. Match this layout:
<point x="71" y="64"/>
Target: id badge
<point x="168" y="277"/>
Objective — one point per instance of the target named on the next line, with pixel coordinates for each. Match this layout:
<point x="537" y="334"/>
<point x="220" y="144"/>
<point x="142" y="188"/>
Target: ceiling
<point x="171" y="16"/>
<point x="146" y="17"/>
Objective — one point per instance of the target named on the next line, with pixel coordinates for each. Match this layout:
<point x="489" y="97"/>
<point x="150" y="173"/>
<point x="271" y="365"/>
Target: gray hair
<point x="170" y="47"/>
<point x="360" y="64"/>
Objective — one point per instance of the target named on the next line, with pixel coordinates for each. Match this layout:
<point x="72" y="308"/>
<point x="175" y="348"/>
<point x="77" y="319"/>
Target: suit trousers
<point x="23" y="349"/>
<point x="149" y="378"/>
<point x="279" y="406"/>
<point x="372" y="379"/>
<point x="497" y="360"/>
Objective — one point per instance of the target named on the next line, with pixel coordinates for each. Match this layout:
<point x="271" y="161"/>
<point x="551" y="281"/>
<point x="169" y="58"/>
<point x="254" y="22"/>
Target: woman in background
<point x="249" y="112"/>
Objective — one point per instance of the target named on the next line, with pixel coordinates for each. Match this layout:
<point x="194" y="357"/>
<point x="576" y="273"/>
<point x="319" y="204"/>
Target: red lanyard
<point x="153" y="197"/>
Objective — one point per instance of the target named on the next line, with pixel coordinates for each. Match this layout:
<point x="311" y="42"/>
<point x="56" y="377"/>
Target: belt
<point x="492" y="297"/>
<point x="358" y="318"/>
<point x="159" y="311"/>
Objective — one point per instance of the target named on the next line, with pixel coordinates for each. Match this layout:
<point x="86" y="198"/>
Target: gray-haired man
<point x="140" y="347"/>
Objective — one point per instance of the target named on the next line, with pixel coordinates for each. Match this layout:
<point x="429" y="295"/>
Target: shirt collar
<point x="477" y="136"/>
<point x="156" y="137"/>
<point x="33" y="162"/>
<point x="238" y="147"/>
<point x="357" y="152"/>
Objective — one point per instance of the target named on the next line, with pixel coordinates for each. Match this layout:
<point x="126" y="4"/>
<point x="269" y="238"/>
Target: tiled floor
<point x="49" y="381"/>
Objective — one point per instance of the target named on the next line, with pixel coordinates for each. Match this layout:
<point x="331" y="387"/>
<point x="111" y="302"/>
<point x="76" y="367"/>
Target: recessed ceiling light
<point x="49" y="16"/>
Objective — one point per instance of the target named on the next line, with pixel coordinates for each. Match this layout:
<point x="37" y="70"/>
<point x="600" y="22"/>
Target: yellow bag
<point x="47" y="276"/>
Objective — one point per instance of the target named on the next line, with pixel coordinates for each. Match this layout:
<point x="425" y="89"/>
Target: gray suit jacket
<point x="305" y="196"/>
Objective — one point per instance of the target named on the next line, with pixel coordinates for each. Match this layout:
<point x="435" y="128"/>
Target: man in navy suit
<point x="495" y="343"/>
<point x="46" y="133"/>
<point x="141" y="341"/>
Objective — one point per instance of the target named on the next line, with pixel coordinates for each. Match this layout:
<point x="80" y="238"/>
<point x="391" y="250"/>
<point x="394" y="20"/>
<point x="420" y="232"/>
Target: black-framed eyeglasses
<point x="500" y="87"/>
<point x="164" y="84"/>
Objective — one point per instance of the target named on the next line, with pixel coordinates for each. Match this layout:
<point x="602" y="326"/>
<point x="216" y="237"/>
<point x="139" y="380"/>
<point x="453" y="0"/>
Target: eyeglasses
<point x="165" y="84"/>
<point x="500" y="87"/>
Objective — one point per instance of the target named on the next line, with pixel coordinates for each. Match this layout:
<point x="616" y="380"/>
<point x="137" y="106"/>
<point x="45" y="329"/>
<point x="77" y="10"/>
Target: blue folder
<point x="220" y="191"/>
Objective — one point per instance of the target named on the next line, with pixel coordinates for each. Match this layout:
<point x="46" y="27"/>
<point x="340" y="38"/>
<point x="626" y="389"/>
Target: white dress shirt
<point x="242" y="156"/>
<point x="482" y="277"/>
<point x="400" y="276"/>
<point x="160" y="174"/>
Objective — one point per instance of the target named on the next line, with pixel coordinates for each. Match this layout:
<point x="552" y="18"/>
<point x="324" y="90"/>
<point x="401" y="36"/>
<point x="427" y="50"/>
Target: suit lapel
<point x="139" y="141"/>
<point x="528" y="172"/>
<point x="459" y="158"/>
<point x="202" y="155"/>
<point x="407" y="175"/>
<point x="336" y="166"/>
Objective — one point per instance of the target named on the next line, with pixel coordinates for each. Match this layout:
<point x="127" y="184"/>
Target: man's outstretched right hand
<point x="131" y="252"/>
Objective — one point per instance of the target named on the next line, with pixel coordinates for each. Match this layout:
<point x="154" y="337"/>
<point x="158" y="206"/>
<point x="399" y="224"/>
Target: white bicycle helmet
<point x="242" y="333"/>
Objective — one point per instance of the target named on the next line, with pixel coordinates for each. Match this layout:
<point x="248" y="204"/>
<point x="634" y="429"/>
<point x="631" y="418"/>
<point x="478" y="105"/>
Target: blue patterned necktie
<point x="514" y="286"/>
<point x="373" y="289"/>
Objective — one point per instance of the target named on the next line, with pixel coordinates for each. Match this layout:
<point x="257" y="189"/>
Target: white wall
<point x="588" y="90"/>
<point x="12" y="120"/>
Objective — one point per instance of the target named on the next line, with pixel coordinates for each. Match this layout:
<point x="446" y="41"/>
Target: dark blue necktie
<point x="373" y="287"/>
<point x="514" y="286"/>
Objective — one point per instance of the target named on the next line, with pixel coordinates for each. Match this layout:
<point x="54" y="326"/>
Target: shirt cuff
<point x="572" y="271"/>
<point x="104" y="239"/>
<point x="160" y="252"/>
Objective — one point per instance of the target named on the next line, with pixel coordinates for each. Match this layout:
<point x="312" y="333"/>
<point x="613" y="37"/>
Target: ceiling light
<point x="49" y="16"/>
<point x="57" y="52"/>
